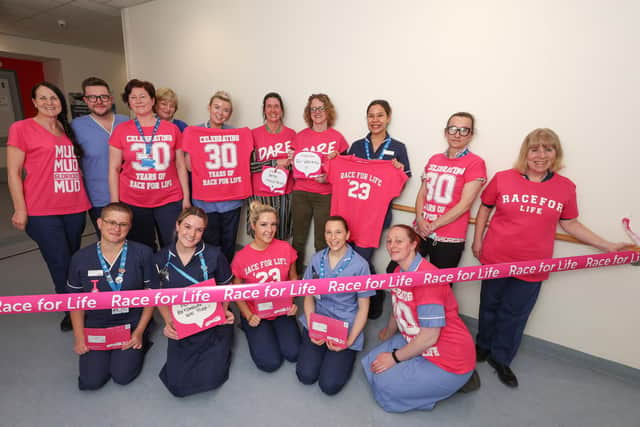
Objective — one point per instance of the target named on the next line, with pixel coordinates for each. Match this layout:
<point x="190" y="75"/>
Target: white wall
<point x="566" y="65"/>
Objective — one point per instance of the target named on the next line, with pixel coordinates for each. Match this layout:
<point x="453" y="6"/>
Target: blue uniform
<point x="199" y="362"/>
<point x="181" y="125"/>
<point x="317" y="363"/>
<point x="96" y="367"/>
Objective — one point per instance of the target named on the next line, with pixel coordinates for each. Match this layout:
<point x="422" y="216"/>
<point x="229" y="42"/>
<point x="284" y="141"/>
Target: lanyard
<point x="203" y="267"/>
<point x="344" y="263"/>
<point x="367" y="151"/>
<point x="117" y="284"/>
<point x="148" y="141"/>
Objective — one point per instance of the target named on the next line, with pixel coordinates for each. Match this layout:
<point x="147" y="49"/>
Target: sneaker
<point x="505" y="374"/>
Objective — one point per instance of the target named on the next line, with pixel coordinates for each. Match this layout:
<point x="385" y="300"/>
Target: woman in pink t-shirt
<point x="50" y="203"/>
<point x="529" y="200"/>
<point x="312" y="196"/>
<point x="147" y="168"/>
<point x="427" y="353"/>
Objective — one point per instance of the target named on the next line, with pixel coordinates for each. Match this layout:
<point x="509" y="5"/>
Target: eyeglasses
<point x="452" y="130"/>
<point x="115" y="224"/>
<point x="135" y="98"/>
<point x="94" y="98"/>
<point x="316" y="109"/>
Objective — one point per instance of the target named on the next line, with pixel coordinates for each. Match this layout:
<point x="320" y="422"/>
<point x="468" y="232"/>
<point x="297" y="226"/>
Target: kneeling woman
<point x="433" y="354"/>
<point x="267" y="259"/>
<point x="321" y="360"/>
<point x="199" y="362"/>
<point x="112" y="264"/>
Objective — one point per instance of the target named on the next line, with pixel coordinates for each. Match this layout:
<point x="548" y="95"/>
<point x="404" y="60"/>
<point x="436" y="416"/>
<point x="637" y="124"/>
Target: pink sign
<point x="273" y="308"/>
<point x="307" y="165"/>
<point x="329" y="329"/>
<point x="102" y="339"/>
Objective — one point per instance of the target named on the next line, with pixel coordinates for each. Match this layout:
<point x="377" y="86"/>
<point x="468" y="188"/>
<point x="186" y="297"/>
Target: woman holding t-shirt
<point x="147" y="168"/>
<point x="427" y="353"/>
<point x="273" y="141"/>
<point x="529" y="201"/>
<point x="267" y="259"/>
<point x="50" y="203"/>
<point x="312" y="197"/>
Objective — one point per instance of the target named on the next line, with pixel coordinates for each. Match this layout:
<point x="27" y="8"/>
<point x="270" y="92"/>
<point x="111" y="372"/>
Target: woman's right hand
<point x="384" y="334"/>
<point x="253" y="320"/>
<point x="316" y="342"/>
<point x="80" y="348"/>
<point x="170" y="331"/>
<point x="422" y="226"/>
<point x="19" y="220"/>
<point x="476" y="248"/>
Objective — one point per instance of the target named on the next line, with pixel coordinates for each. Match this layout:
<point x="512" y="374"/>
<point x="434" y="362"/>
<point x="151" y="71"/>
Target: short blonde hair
<point x="224" y="96"/>
<point x="328" y="108"/>
<point x="166" y="94"/>
<point x="256" y="209"/>
<point x="540" y="137"/>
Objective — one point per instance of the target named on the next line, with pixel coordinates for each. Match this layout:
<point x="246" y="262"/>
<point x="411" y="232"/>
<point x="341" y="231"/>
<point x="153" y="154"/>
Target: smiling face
<point x="318" y="113"/>
<point x="219" y="112"/>
<point x="458" y="142"/>
<point x="265" y="228"/>
<point x="400" y="247"/>
<point x="273" y="110"/>
<point x="114" y="226"/>
<point x="377" y="120"/>
<point x="540" y="159"/>
<point x="140" y="102"/>
<point x="93" y="96"/>
<point x="336" y="235"/>
<point x="189" y="231"/>
<point x="166" y="109"/>
<point x="47" y="102"/>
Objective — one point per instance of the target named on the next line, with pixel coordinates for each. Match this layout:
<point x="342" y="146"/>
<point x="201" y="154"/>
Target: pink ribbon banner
<point x="295" y="288"/>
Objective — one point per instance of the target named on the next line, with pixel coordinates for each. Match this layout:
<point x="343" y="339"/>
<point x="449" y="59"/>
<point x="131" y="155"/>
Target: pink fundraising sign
<point x="329" y="329"/>
<point x="189" y="319"/>
<point x="102" y="339"/>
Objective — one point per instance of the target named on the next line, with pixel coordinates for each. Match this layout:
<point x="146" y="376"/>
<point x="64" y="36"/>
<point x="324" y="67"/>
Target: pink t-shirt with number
<point x="271" y="265"/>
<point x="526" y="216"/>
<point x="320" y="142"/>
<point x="53" y="184"/>
<point x="148" y="180"/>
<point x="444" y="179"/>
<point x="219" y="162"/>
<point x="271" y="146"/>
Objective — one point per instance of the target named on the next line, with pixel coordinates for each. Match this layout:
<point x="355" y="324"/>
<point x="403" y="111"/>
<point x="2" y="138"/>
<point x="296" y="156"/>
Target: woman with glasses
<point x="451" y="182"/>
<point x="50" y="201"/>
<point x="111" y="264"/>
<point x="147" y="168"/>
<point x="312" y="196"/>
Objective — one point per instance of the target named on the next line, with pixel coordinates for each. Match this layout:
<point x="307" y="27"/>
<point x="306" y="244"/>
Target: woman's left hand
<point x="321" y="178"/>
<point x="331" y="346"/>
<point x="292" y="310"/>
<point x="383" y="362"/>
<point x="397" y="164"/>
<point x="230" y="318"/>
<point x="186" y="203"/>
<point x="332" y="155"/>
<point x="135" y="342"/>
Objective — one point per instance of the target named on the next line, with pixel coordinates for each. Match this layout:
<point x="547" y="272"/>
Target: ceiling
<point x="94" y="24"/>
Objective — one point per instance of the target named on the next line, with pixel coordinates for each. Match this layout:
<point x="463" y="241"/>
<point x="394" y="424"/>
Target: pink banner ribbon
<point x="291" y="288"/>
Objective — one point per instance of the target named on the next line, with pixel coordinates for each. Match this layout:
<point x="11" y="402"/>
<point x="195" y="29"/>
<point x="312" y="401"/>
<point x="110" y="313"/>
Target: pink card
<point x="329" y="329"/>
<point x="273" y="180"/>
<point x="267" y="309"/>
<point x="102" y="339"/>
<point x="189" y="319"/>
<point x="307" y="165"/>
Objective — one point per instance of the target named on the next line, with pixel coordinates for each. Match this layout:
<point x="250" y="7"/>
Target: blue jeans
<point x="58" y="237"/>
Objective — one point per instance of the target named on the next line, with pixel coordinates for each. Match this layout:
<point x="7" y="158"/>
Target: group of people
<point x="153" y="179"/>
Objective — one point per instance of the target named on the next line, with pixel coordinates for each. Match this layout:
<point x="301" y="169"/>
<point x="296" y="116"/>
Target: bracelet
<point x="395" y="358"/>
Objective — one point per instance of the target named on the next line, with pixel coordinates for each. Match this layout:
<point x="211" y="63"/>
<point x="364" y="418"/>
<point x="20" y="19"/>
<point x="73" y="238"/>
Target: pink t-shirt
<point x="219" y="162"/>
<point x="148" y="180"/>
<point x="271" y="265"/>
<point x="444" y="180"/>
<point x="454" y="351"/>
<point x="362" y="191"/>
<point x="53" y="184"/>
<point x="526" y="215"/>
<point x="320" y="142"/>
<point x="271" y="146"/>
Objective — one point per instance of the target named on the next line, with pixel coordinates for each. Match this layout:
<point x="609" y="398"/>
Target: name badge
<point x="119" y="310"/>
<point x="148" y="163"/>
<point x="95" y="273"/>
<point x="389" y="153"/>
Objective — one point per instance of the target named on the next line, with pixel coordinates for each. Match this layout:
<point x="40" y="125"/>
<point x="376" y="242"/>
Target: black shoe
<point x="376" y="303"/>
<point x="481" y="354"/>
<point x="505" y="374"/>
<point x="65" y="324"/>
<point x="472" y="385"/>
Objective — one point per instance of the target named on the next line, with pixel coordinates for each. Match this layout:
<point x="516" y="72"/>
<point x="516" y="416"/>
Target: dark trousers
<point x="96" y="367"/>
<point x="308" y="206"/>
<point x="222" y="230"/>
<point x="272" y="341"/>
<point x="505" y="305"/>
<point x="94" y="214"/>
<point x="332" y="369"/>
<point x="58" y="237"/>
<point x="147" y="220"/>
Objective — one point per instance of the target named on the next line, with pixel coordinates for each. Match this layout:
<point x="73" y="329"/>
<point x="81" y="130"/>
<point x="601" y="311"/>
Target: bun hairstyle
<point x="256" y="209"/>
<point x="411" y="234"/>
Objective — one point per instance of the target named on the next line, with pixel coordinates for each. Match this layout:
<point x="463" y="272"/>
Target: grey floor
<point x="38" y="382"/>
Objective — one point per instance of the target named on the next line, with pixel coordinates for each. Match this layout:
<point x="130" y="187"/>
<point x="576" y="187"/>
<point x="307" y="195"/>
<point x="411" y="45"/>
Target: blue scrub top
<point x="217" y="266"/>
<point x="343" y="306"/>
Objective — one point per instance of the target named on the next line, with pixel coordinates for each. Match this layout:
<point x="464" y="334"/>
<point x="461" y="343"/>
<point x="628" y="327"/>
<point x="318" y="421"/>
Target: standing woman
<point x="267" y="259"/>
<point x="312" y="197"/>
<point x="529" y="200"/>
<point x="451" y="182"/>
<point x="322" y="361"/>
<point x="112" y="264"/>
<point x="199" y="362"/>
<point x="51" y="202"/>
<point x="167" y="106"/>
<point x="379" y="145"/>
<point x="147" y="168"/>
<point x="428" y="352"/>
<point x="272" y="145"/>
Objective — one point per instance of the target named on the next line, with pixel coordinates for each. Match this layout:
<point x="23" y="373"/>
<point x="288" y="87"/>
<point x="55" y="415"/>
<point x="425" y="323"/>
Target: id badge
<point x="115" y="311"/>
<point x="148" y="163"/>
